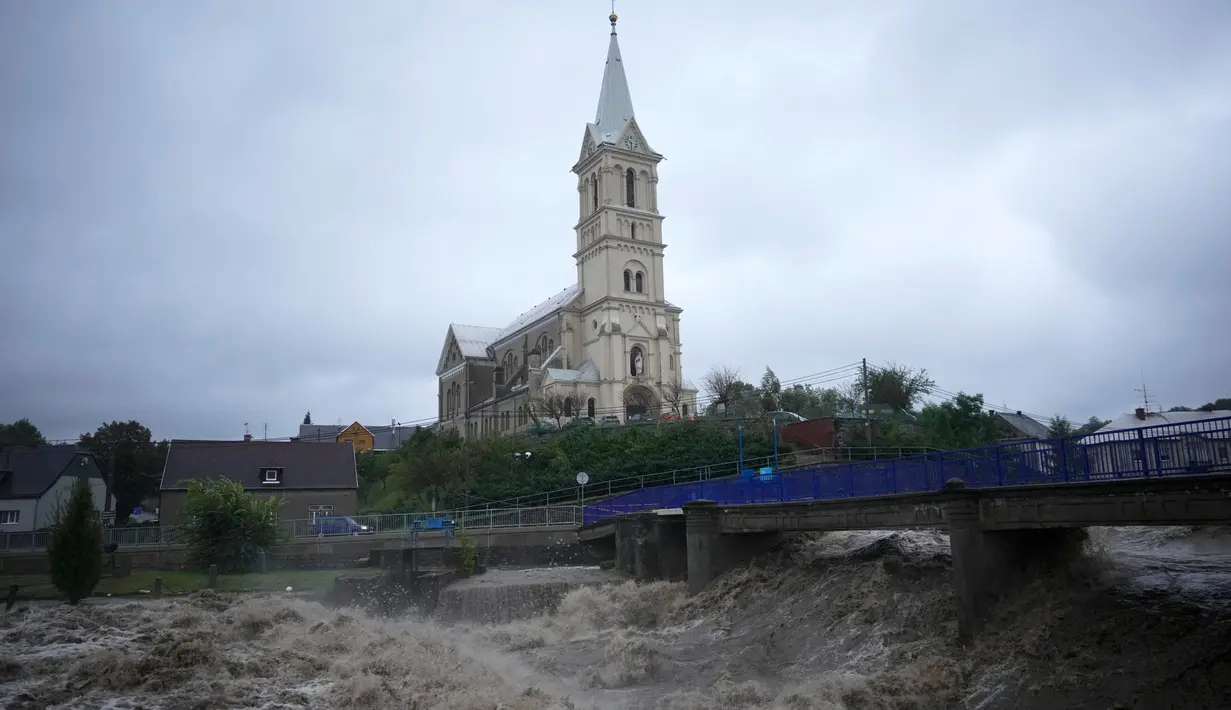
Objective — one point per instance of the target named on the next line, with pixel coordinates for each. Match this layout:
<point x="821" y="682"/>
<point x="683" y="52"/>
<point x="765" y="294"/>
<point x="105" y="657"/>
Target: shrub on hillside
<point x="445" y="469"/>
<point x="76" y="543"/>
<point x="228" y="526"/>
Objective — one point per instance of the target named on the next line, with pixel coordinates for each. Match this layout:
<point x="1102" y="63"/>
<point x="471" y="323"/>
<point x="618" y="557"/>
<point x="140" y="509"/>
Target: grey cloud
<point x="234" y="212"/>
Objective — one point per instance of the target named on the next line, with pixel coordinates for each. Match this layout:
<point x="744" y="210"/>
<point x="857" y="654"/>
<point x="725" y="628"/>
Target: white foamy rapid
<point x="844" y="620"/>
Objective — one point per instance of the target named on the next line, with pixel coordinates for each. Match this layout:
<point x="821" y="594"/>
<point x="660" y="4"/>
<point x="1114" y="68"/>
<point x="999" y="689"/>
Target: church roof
<point x="543" y="310"/>
<point x="588" y="372"/>
<point x="474" y="339"/>
<point x="615" y="102"/>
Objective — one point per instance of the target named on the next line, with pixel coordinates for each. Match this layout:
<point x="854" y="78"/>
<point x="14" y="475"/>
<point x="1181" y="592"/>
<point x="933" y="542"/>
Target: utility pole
<point x="867" y="406"/>
<point x="110" y="480"/>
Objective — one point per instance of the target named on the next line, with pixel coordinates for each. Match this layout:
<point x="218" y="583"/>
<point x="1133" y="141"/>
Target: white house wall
<point x="26" y="509"/>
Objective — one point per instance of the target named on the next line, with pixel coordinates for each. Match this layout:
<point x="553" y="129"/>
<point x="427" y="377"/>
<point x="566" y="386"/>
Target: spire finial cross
<point x="613" y="17"/>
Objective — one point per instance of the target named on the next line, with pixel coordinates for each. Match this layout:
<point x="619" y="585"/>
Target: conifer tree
<point x="75" y="547"/>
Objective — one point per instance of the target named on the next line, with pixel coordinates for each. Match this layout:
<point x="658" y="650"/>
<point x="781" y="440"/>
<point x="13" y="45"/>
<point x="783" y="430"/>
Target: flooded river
<point x="838" y="621"/>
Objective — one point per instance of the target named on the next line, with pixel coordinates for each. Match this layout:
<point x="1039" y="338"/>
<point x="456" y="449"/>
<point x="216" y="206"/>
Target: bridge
<point x="1007" y="508"/>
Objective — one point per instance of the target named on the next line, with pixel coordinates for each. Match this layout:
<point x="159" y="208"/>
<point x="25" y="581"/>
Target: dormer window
<point x="271" y="476"/>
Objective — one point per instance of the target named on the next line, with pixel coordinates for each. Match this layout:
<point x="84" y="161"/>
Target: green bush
<point x="443" y="468"/>
<point x="467" y="554"/>
<point x="76" y="544"/>
<point x="228" y="526"/>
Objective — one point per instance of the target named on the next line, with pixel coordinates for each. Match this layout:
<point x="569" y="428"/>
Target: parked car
<point x="340" y="525"/>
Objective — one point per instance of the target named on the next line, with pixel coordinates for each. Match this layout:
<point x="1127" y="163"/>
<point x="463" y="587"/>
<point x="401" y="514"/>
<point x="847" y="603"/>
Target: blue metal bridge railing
<point x="1186" y="448"/>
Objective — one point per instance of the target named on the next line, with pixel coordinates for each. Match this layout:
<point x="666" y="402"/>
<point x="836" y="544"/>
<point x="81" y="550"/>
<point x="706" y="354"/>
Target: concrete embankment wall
<point x="543" y="546"/>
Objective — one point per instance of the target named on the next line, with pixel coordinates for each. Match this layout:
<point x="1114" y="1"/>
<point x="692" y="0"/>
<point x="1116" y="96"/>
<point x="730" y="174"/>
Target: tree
<point x="21" y="433"/>
<point x="307" y="418"/>
<point x="960" y="423"/>
<point x="897" y="386"/>
<point x="672" y="392"/>
<point x="722" y="384"/>
<point x="770" y="390"/>
<point x="1217" y="405"/>
<point x="228" y="526"/>
<point x="1092" y="425"/>
<point x="554" y="406"/>
<point x="1060" y="426"/>
<point x="76" y="544"/>
<point x="132" y="463"/>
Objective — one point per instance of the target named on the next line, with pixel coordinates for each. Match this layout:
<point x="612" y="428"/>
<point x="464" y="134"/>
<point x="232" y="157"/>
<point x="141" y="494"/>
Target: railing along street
<point x="393" y="524"/>
<point x="1189" y="448"/>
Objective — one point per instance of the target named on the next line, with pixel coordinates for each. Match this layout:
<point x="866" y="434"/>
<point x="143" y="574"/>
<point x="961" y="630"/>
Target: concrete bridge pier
<point x="710" y="553"/>
<point x="988" y="564"/>
<point x="651" y="547"/>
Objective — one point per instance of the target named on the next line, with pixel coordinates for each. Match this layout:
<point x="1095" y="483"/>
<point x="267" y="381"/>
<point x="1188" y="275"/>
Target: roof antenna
<point x="1145" y="394"/>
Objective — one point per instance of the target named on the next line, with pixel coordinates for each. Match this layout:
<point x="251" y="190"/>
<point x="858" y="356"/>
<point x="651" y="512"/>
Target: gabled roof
<point x="28" y="472"/>
<point x="543" y="310"/>
<point x="588" y="372"/>
<point x="384" y="437"/>
<point x="306" y="465"/>
<point x="472" y="341"/>
<point x="1025" y="426"/>
<point x="1124" y="427"/>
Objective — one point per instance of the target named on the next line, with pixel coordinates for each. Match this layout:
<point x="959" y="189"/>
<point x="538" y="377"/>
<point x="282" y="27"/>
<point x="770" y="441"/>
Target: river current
<point x="858" y="620"/>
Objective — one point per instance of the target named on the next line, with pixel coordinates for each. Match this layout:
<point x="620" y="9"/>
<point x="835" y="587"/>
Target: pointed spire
<point x="615" y="103"/>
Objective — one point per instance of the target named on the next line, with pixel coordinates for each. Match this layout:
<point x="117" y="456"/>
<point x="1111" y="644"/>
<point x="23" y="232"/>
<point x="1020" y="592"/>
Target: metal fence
<point x="377" y="525"/>
<point x="1165" y="450"/>
<point x="600" y="489"/>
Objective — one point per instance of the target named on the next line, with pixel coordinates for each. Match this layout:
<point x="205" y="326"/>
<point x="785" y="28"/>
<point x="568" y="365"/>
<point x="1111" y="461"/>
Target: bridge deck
<point x="1158" y="452"/>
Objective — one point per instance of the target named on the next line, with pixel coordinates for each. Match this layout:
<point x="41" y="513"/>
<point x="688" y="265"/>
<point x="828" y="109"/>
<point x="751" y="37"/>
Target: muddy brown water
<point x="839" y="621"/>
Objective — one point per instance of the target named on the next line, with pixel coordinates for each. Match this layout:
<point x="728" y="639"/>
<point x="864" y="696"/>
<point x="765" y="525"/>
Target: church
<point x="606" y="347"/>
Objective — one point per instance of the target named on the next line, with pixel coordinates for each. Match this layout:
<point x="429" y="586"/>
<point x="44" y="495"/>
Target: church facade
<point x="608" y="345"/>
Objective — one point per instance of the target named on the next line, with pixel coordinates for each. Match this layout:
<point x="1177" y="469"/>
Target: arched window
<point x="630" y="188"/>
<point x="568" y="406"/>
<point x="590" y="408"/>
<point x="685" y="410"/>
<point x="632" y="229"/>
<point x="636" y="362"/>
<point x="628" y="277"/>
<point x="671" y="363"/>
<point x="551" y="345"/>
<point x="640" y="282"/>
<point x="594" y="191"/>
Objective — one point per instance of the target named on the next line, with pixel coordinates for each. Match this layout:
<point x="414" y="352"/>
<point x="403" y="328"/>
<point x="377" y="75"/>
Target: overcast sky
<point x="224" y="212"/>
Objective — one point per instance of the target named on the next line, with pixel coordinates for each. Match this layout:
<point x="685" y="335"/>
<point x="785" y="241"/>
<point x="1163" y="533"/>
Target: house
<point x="311" y="478"/>
<point x="360" y="437"/>
<point x="609" y="343"/>
<point x="379" y="438"/>
<point x="1161" y="441"/>
<point x="1019" y="427"/>
<point x="35" y="480"/>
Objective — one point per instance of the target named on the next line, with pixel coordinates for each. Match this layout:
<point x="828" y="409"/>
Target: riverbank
<point x="141" y="582"/>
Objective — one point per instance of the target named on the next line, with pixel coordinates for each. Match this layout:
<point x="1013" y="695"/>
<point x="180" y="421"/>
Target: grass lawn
<point x="38" y="586"/>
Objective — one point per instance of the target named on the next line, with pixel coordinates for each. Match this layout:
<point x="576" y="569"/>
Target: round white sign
<point x="583" y="478"/>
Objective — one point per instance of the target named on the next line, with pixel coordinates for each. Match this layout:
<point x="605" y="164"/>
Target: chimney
<point x="1019" y="412"/>
<point x="1141" y="413"/>
<point x="247" y="437"/>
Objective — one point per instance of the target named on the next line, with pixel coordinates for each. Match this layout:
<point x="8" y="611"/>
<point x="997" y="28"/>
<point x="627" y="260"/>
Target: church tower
<point x="630" y="330"/>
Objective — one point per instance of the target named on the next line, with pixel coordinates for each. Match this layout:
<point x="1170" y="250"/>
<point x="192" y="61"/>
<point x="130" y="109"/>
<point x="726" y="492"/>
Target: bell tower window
<point x="594" y="192"/>
<point x="628" y="275"/>
<point x="632" y="229"/>
<point x="630" y="188"/>
<point x="640" y="281"/>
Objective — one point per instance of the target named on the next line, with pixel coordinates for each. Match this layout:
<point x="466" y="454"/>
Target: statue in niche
<point x="636" y="366"/>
